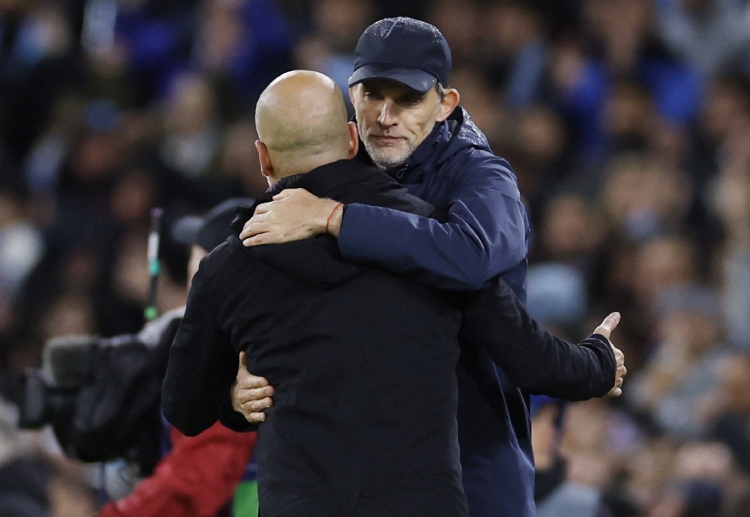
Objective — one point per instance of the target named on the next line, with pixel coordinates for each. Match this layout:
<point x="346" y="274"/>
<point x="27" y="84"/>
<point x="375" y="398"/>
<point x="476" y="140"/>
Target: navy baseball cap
<point x="210" y="230"/>
<point x="409" y="51"/>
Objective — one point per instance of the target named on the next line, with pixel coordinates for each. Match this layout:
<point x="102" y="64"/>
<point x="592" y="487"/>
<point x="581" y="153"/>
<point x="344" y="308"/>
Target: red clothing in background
<point x="196" y="479"/>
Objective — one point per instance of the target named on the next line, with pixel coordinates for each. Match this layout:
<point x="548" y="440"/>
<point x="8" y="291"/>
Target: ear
<point x="353" y="140"/>
<point x="448" y="104"/>
<point x="266" y="168"/>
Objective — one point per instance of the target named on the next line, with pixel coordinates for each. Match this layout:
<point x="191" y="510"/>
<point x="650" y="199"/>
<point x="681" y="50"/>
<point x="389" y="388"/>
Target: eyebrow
<point x="382" y="87"/>
<point x="412" y="96"/>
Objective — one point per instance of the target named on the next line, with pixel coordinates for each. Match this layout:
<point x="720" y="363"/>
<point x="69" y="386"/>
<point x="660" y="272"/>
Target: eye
<point x="373" y="95"/>
<point x="410" y="101"/>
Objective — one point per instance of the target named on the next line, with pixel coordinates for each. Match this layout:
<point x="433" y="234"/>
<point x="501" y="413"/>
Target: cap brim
<point x="414" y="78"/>
<point x="185" y="230"/>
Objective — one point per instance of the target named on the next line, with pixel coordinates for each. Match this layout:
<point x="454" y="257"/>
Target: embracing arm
<point x="484" y="232"/>
<point x="534" y="359"/>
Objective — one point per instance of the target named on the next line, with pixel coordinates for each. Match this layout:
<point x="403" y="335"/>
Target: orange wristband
<point x="328" y="221"/>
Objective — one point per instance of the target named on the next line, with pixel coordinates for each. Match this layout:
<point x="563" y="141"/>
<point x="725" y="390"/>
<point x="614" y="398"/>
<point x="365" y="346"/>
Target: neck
<point x="302" y="165"/>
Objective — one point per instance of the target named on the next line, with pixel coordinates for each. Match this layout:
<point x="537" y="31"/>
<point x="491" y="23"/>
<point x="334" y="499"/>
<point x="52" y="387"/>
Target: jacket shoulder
<point x="229" y="257"/>
<point x="473" y="166"/>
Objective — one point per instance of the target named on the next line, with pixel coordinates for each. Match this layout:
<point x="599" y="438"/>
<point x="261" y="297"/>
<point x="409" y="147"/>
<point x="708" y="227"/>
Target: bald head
<point x="301" y="121"/>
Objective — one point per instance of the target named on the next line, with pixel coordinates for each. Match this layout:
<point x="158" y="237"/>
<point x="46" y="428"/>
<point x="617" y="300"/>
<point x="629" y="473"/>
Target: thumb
<point x="243" y="361"/>
<point x="608" y="325"/>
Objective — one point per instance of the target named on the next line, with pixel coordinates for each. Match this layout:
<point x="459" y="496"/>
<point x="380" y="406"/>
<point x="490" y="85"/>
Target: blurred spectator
<point x="151" y="36"/>
<point x="514" y="51"/>
<point x="729" y="199"/>
<point x="459" y="21"/>
<point x="685" y="366"/>
<point x="44" y="161"/>
<point x="557" y="297"/>
<point x="570" y="231"/>
<point x="35" y="479"/>
<point x="37" y="55"/>
<point x="484" y="102"/>
<point x="644" y="198"/>
<point x="555" y="495"/>
<point x="597" y="445"/>
<point x="21" y="244"/>
<point x="535" y="140"/>
<point x="728" y="415"/>
<point x="24" y="477"/>
<point x="663" y="263"/>
<point x="623" y="46"/>
<point x="713" y="35"/>
<point x="724" y="108"/>
<point x="241" y="45"/>
<point x="237" y="169"/>
<point x="329" y="49"/>
<point x="192" y="127"/>
<point x="701" y="471"/>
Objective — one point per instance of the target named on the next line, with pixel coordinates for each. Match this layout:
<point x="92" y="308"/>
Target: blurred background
<point x="626" y="121"/>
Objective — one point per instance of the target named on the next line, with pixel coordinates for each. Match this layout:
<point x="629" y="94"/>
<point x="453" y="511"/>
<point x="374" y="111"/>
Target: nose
<point x="388" y="115"/>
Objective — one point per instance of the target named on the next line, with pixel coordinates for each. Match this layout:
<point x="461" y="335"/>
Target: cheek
<point x="365" y="115"/>
<point x="424" y="120"/>
<point x="421" y="126"/>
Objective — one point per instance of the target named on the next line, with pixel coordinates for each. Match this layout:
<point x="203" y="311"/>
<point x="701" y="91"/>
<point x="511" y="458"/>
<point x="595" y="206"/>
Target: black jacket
<point x="363" y="363"/>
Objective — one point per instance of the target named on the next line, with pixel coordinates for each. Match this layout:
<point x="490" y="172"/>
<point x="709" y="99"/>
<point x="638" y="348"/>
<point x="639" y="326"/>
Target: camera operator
<point x="216" y="460"/>
<point x="102" y="399"/>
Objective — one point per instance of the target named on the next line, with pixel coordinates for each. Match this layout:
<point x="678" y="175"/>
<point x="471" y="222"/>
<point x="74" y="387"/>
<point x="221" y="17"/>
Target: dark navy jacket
<point x="486" y="235"/>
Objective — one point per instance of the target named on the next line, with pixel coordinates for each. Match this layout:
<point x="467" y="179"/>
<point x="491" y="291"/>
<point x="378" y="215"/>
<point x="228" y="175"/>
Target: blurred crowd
<point x="626" y="122"/>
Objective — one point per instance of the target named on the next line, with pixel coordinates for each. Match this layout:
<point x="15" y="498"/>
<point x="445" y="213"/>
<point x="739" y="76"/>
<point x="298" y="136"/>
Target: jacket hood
<point x="459" y="131"/>
<point x="317" y="260"/>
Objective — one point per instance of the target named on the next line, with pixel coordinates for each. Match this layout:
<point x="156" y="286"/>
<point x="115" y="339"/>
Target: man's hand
<point x="294" y="214"/>
<point x="250" y="394"/>
<point x="605" y="329"/>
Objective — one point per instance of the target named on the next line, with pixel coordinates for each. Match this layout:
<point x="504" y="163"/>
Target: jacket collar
<point x="320" y="181"/>
<point x="245" y="213"/>
<point x="316" y="261"/>
<point x="426" y="151"/>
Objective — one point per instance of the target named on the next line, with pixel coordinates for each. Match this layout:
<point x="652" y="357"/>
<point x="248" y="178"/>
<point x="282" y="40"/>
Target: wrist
<point x="334" y="218"/>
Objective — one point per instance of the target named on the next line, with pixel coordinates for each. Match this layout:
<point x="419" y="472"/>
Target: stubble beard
<point x="389" y="157"/>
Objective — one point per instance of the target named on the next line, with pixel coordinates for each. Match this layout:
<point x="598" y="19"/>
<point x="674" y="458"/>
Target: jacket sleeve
<point x="532" y="358"/>
<point x="201" y="364"/>
<point x="198" y="476"/>
<point x="485" y="233"/>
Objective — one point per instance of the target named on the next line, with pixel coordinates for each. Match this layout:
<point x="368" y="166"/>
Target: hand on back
<point x="251" y="394"/>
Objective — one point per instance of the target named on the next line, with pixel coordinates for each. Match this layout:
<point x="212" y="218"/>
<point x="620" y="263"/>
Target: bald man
<point x="362" y="361"/>
<point x="343" y="344"/>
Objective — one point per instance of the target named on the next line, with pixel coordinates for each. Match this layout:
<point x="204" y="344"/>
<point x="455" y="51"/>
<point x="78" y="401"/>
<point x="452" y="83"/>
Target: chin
<point x="386" y="160"/>
<point x="388" y="163"/>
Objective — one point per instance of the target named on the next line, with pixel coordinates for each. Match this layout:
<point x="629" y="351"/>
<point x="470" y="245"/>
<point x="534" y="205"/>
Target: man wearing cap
<point x="411" y="126"/>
